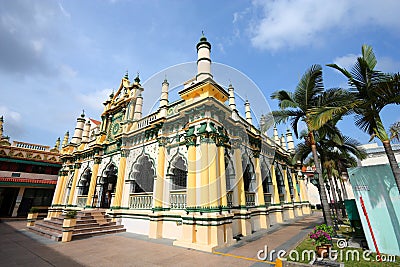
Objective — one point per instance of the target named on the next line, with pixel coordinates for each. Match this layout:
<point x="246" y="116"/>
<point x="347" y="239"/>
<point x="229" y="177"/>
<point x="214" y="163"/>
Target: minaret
<point x="65" y="140"/>
<point x="248" y="112"/>
<point x="138" y="107"/>
<point x="276" y="136"/>
<point x="86" y="130"/>
<point x="57" y="145"/>
<point x="164" y="98"/>
<point x="1" y="126"/>
<point x="283" y="141"/>
<point x="232" y="103"/>
<point x="289" y="139"/>
<point x="203" y="59"/>
<point x="80" y="122"/>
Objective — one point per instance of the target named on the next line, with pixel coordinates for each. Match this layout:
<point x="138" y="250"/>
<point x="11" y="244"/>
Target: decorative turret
<point x="203" y="59"/>
<point x="138" y="107"/>
<point x="80" y="122"/>
<point x="276" y="136"/>
<point x="248" y="112"/>
<point x="283" y="141"/>
<point x="65" y="140"/>
<point x="86" y="131"/>
<point x="164" y="98"/>
<point x="232" y="103"/>
<point x="57" y="145"/>
<point x="289" y="140"/>
<point x="1" y="126"/>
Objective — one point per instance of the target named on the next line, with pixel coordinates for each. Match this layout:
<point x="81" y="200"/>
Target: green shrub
<point x="71" y="214"/>
<point x="34" y="210"/>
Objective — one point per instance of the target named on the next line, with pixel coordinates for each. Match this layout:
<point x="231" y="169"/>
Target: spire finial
<point x="137" y="79"/>
<point x="126" y="75"/>
<point x="83" y="113"/>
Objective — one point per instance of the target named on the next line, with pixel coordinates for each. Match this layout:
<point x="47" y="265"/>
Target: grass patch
<point x="348" y="255"/>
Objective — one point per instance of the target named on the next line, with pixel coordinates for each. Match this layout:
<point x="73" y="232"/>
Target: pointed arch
<point x="143" y="174"/>
<point x="178" y="172"/>
<point x="279" y="179"/>
<point x="229" y="173"/>
<point x="84" y="182"/>
<point x="266" y="178"/>
<point x="107" y="183"/>
<point x="248" y="174"/>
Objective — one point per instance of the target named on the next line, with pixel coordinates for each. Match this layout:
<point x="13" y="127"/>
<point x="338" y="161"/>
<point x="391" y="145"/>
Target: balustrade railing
<point x="81" y="201"/>
<point x="177" y="200"/>
<point x="250" y="199"/>
<point x="147" y="120"/>
<point x="267" y="198"/>
<point x="140" y="201"/>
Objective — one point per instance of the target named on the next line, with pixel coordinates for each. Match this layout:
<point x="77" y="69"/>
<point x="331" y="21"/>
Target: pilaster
<point x="77" y="166"/>
<point x="93" y="182"/>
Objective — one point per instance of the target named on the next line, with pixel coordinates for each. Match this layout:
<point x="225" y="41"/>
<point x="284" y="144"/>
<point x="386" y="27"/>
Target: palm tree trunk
<point x="322" y="192"/>
<point x="392" y="162"/>
<point x="341" y="202"/>
<point x="333" y="192"/>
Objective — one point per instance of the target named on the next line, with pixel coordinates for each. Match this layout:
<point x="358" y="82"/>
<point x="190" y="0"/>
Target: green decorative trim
<point x="28" y="184"/>
<point x="31" y="162"/>
<point x="77" y="165"/>
<point x="160" y="209"/>
<point x="202" y="128"/>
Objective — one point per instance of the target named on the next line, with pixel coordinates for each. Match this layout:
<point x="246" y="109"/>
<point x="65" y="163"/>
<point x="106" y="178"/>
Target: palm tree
<point x="335" y="151"/>
<point x="371" y="91"/>
<point x="395" y="131"/>
<point x="298" y="106"/>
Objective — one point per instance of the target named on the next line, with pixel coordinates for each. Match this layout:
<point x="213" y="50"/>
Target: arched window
<point x="108" y="183"/>
<point x="266" y="179"/>
<point x="279" y="179"/>
<point x="143" y="175"/>
<point x="84" y="182"/>
<point x="248" y="175"/>
<point x="179" y="174"/>
<point x="229" y="174"/>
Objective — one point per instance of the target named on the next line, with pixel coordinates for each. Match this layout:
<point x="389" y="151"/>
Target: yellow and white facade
<point x="195" y="170"/>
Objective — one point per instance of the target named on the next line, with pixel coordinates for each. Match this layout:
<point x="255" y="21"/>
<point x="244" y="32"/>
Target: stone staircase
<point x="88" y="223"/>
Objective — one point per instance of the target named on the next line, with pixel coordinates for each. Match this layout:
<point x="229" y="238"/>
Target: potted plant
<point x="68" y="225"/>
<point x="322" y="237"/>
<point x="32" y="216"/>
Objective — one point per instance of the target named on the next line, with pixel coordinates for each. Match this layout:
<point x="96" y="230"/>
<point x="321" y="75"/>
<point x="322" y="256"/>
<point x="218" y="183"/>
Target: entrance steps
<point x="88" y="223"/>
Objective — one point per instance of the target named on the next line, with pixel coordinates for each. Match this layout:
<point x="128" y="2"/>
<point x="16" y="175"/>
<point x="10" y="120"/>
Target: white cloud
<point x="288" y="23"/>
<point x="13" y="125"/>
<point x="67" y="71"/>
<point x="94" y="99"/>
<point x="65" y="13"/>
<point x="346" y="61"/>
<point x="385" y="64"/>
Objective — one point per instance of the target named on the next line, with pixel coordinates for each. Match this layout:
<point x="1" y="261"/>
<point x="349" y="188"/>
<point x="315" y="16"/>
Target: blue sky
<point x="59" y="57"/>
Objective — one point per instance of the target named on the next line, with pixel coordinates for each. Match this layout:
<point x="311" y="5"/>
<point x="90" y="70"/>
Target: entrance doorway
<point x="108" y="183"/>
<point x="8" y="196"/>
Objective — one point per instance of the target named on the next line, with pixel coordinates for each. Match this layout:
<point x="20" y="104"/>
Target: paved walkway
<point x="18" y="247"/>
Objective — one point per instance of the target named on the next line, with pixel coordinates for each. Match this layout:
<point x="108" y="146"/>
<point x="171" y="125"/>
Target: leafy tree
<point x="298" y="106"/>
<point x="395" y="131"/>
<point x="371" y="90"/>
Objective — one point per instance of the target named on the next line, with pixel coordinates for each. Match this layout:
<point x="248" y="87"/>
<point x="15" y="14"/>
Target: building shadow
<point x="18" y="248"/>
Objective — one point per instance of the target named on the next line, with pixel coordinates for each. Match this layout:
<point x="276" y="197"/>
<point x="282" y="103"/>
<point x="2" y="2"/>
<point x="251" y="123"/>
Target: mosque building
<point x="28" y="176"/>
<point x="195" y="170"/>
